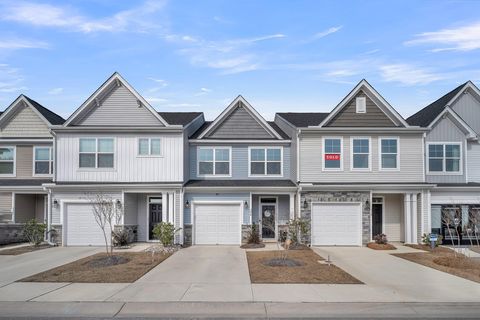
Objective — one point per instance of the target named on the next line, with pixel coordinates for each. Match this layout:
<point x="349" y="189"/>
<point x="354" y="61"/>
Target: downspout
<point x="297" y="178"/>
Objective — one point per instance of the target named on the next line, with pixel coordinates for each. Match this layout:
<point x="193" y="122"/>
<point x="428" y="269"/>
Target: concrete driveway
<point x="198" y="273"/>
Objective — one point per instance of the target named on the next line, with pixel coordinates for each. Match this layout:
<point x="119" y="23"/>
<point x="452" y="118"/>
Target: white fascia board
<point x="108" y="129"/>
<point x="364" y="130"/>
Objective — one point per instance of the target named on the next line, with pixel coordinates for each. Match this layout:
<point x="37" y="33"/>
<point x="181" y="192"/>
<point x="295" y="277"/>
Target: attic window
<point x="361" y="103"/>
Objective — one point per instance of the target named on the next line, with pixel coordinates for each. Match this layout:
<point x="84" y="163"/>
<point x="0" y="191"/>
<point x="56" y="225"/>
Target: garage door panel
<point x="217" y="223"/>
<point x="81" y="227"/>
<point x="336" y="224"/>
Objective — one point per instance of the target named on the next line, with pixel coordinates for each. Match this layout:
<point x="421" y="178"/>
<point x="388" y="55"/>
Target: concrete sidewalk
<point x="189" y="310"/>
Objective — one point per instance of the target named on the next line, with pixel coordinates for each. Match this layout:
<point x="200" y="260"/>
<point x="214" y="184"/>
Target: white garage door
<point x="81" y="227"/>
<point x="336" y="224"/>
<point x="217" y="223"/>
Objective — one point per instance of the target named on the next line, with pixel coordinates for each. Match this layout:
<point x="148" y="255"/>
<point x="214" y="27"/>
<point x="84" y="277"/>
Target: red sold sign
<point x="329" y="156"/>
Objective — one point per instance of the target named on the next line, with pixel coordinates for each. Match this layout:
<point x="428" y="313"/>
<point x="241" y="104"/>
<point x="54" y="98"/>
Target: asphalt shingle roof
<point x="23" y="182"/>
<point x="179" y="118"/>
<point x="304" y="119"/>
<point x="424" y="117"/>
<point x="51" y="116"/>
<point x="272" y="124"/>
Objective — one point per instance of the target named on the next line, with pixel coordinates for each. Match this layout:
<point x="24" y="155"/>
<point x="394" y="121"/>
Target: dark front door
<point x="155" y="216"/>
<point x="268" y="221"/>
<point x="377" y="219"/>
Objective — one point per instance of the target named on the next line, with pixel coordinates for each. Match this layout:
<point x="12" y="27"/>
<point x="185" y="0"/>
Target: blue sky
<point x="195" y="55"/>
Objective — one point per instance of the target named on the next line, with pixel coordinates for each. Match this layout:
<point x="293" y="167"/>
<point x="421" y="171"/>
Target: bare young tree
<point x="474" y="222"/>
<point x="449" y="219"/>
<point x="108" y="213"/>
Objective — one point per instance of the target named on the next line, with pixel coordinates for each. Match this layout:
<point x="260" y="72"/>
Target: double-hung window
<point x="43" y="160"/>
<point x="444" y="158"/>
<point x="360" y="153"/>
<point x="332" y="154"/>
<point x="7" y="161"/>
<point x="389" y="154"/>
<point x="214" y="161"/>
<point x="149" y="147"/>
<point x="96" y="153"/>
<point x="265" y="161"/>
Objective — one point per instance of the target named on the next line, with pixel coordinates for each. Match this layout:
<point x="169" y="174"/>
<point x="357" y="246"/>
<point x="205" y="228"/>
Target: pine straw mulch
<point x="90" y="270"/>
<point x="15" y="251"/>
<point x="379" y="246"/>
<point x="443" y="259"/>
<point x="310" y="270"/>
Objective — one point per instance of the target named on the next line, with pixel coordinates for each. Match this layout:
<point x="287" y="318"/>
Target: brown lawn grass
<point x="24" y="249"/>
<point x="378" y="246"/>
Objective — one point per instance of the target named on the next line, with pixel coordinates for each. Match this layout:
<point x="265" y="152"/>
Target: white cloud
<point x="156" y="100"/>
<point x="465" y="38"/>
<point x="47" y="15"/>
<point x="408" y="75"/>
<point x="55" y="91"/>
<point x="160" y="82"/>
<point x="325" y="33"/>
<point x="10" y="79"/>
<point x="13" y="44"/>
<point x="203" y="91"/>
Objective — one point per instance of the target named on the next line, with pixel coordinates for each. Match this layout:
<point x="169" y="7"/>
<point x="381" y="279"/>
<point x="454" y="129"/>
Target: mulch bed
<point x="124" y="267"/>
<point x="307" y="268"/>
<point x="252" y="245"/>
<point x="25" y="249"/>
<point x="379" y="246"/>
<point x="443" y="259"/>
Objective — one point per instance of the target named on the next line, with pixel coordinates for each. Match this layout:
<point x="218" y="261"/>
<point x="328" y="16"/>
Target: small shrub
<point x="426" y="239"/>
<point x="253" y="234"/>
<point x="165" y="231"/>
<point x="120" y="238"/>
<point x="34" y="232"/>
<point x="380" y="239"/>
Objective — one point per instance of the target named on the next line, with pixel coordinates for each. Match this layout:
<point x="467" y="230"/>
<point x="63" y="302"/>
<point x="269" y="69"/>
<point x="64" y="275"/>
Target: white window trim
<point x="380" y="153"/>
<point x="149" y="155"/>
<point x="213" y="174"/>
<point x="352" y="168"/>
<point x="444" y="172"/>
<point x="34" y="174"/>
<point x="266" y="174"/>
<point x="14" y="174"/>
<point x="357" y="110"/>
<point x="341" y="153"/>
<point x="96" y="168"/>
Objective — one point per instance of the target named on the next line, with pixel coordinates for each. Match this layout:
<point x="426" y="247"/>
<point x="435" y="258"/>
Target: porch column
<point x="292" y="206"/>
<point x="182" y="206"/>
<point x="407" y="217"/>
<point x="428" y="204"/>
<point x="164" y="206"/>
<point x="414" y="218"/>
<point x="171" y="203"/>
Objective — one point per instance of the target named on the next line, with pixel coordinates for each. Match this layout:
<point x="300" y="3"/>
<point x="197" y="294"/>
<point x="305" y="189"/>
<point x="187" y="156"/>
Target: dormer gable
<point x="364" y="107"/>
<point x="116" y="103"/>
<point x="240" y="121"/>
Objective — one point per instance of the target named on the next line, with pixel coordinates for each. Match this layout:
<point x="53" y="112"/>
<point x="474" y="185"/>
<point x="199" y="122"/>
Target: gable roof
<point x="303" y="119"/>
<point x="115" y="77"/>
<point x="248" y="108"/>
<point x="424" y="117"/>
<point x="179" y="118"/>
<point x="364" y="86"/>
<point x="48" y="116"/>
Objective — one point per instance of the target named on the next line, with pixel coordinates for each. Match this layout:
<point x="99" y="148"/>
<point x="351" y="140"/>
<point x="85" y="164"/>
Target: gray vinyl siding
<point x="468" y="108"/>
<point x="194" y="126"/>
<point x="240" y="124"/>
<point x="292" y="133"/>
<point x="411" y="166"/>
<point x="473" y="161"/>
<point x="118" y="108"/>
<point x="239" y="167"/>
<point x="445" y="131"/>
<point x="5" y="206"/>
<point x="25" y="122"/>
<point x="348" y="117"/>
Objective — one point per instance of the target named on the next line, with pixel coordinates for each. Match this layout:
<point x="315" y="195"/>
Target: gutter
<point x="362" y="129"/>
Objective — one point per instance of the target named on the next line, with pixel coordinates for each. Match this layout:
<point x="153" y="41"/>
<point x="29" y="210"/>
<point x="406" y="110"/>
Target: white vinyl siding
<point x="7" y="161"/>
<point x="266" y="161"/>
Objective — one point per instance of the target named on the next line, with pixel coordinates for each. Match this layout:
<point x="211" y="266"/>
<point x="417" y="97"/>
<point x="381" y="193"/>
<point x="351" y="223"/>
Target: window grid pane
<point x="143" y="147"/>
<point x="155" y="147"/>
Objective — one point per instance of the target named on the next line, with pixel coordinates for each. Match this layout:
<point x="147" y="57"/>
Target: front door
<point x="155" y="215"/>
<point x="377" y="216"/>
<point x="268" y="221"/>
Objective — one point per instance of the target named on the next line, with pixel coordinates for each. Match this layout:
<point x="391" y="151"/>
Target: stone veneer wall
<point x="132" y="231"/>
<point x="339" y="196"/>
<point x="187" y="235"/>
<point x="11" y="233"/>
<point x="58" y="234"/>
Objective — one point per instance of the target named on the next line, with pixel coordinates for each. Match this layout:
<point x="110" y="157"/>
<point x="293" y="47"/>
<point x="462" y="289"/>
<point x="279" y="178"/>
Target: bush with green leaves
<point x="165" y="231"/>
<point x="34" y="232"/>
<point x="253" y="234"/>
<point x="426" y="239"/>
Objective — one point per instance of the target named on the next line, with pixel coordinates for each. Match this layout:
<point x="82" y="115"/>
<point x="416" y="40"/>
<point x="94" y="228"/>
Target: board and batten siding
<point x="25" y="123"/>
<point x="411" y="166"/>
<point x="119" y="108"/>
<point x="445" y="131"/>
<point x="239" y="163"/>
<point x="128" y="166"/>
<point x="473" y="161"/>
<point x="240" y="124"/>
<point x="468" y="108"/>
<point x="348" y="117"/>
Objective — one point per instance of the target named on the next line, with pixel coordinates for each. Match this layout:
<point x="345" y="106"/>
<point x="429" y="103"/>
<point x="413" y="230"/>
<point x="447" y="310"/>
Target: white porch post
<point x="428" y="226"/>
<point x="292" y="206"/>
<point x="414" y="218"/>
<point x="164" y="206"/>
<point x="181" y="216"/>
<point x="49" y="215"/>
<point x="171" y="202"/>
<point x="250" y="209"/>
<point x="407" y="217"/>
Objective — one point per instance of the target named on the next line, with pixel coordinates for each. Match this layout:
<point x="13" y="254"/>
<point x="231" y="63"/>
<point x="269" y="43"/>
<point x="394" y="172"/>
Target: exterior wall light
<point x="245" y="204"/>
<point x="55" y="203"/>
<point x="305" y="204"/>
<point x="187" y="204"/>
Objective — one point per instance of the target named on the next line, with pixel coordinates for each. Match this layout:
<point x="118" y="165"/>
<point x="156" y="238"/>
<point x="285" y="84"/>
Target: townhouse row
<point x="357" y="171"/>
